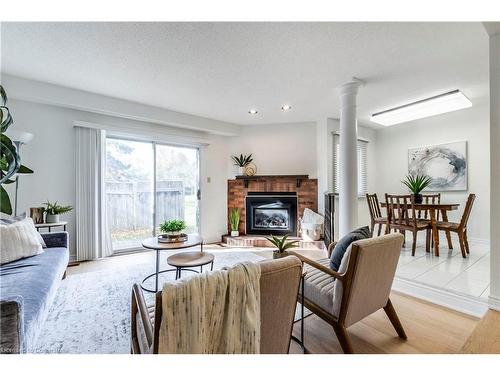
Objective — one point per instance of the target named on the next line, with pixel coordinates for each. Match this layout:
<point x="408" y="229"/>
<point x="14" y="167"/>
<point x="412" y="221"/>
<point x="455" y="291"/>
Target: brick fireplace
<point x="299" y="187"/>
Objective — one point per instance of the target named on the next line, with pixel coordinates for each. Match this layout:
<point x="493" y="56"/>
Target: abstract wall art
<point x="445" y="163"/>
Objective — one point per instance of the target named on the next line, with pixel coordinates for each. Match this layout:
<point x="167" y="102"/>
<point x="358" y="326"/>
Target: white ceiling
<point x="221" y="70"/>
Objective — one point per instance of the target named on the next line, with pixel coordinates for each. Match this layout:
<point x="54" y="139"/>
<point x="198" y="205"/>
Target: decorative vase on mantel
<point x="241" y="171"/>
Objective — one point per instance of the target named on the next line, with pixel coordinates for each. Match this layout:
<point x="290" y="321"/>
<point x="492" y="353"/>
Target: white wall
<point x="471" y="125"/>
<point x="51" y="154"/>
<point x="277" y="148"/>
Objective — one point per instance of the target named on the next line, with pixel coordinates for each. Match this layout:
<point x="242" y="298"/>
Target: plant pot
<point x="241" y="171"/>
<point x="278" y="255"/>
<point x="235" y="233"/>
<point x="418" y="198"/>
<point x="173" y="234"/>
<point x="50" y="219"/>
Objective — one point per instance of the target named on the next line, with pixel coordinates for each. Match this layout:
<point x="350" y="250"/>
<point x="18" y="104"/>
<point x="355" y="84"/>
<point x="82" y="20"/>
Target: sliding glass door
<point x="146" y="184"/>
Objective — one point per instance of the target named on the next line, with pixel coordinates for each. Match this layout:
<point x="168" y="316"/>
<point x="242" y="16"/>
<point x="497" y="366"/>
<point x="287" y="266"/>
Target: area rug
<point x="91" y="311"/>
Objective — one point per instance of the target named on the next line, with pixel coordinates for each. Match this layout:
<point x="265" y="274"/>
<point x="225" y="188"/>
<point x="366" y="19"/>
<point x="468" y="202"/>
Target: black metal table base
<point x="159" y="272"/>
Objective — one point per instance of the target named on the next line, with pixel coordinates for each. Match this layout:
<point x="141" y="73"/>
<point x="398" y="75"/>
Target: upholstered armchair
<point x="360" y="287"/>
<point x="279" y="284"/>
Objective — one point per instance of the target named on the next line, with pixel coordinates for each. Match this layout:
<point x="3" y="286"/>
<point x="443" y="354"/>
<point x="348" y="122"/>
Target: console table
<point x="49" y="226"/>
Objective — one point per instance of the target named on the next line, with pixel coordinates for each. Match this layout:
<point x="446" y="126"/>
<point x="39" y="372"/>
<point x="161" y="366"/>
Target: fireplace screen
<point x="271" y="214"/>
<point x="271" y="218"/>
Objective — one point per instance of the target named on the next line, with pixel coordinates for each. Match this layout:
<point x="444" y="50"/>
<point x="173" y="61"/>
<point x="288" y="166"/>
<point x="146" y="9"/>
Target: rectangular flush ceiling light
<point x="448" y="102"/>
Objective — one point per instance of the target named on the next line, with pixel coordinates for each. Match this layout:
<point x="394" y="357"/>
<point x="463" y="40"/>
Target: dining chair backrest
<point x="400" y="210"/>
<point x="467" y="210"/>
<point x="428" y="199"/>
<point x="373" y="206"/>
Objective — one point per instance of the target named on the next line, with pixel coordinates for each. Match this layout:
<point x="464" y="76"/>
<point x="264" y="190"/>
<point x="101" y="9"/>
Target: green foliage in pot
<point x="173" y="225"/>
<point x="10" y="161"/>
<point x="282" y="244"/>
<point x="234" y="219"/>
<point x="56" y="209"/>
<point x="417" y="183"/>
<point x="242" y="160"/>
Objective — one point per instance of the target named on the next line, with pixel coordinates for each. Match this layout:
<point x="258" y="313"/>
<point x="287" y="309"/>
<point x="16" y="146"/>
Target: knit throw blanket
<point x="214" y="312"/>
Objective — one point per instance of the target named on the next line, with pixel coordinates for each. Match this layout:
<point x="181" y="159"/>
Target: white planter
<point x="51" y="218"/>
<point x="241" y="171"/>
<point x="235" y="233"/>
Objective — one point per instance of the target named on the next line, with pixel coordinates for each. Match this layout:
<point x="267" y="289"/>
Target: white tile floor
<point x="470" y="277"/>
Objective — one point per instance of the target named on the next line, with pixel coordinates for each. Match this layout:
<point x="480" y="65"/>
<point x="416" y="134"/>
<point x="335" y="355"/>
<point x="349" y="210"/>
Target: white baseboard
<point x="494" y="303"/>
<point x="467" y="305"/>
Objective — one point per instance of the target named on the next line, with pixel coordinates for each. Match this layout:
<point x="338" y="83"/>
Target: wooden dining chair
<point x="429" y="199"/>
<point x="424" y="214"/>
<point x="460" y="228"/>
<point x="375" y="213"/>
<point x="401" y="215"/>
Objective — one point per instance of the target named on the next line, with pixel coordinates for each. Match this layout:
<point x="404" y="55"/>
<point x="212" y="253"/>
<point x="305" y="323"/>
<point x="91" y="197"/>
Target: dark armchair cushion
<point x="341" y="246"/>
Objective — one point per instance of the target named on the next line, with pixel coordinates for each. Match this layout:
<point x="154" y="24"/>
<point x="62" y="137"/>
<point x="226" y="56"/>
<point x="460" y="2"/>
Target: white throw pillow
<point x="19" y="240"/>
<point x="8" y="219"/>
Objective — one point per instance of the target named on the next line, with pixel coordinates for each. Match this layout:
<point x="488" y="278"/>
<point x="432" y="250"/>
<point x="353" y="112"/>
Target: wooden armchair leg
<point x="393" y="317"/>
<point x="379" y="229"/>
<point x="414" y="243"/>
<point x="372" y="228"/>
<point x="343" y="338"/>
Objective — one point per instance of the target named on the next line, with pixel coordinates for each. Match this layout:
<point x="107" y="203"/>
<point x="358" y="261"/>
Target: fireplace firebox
<point x="271" y="213"/>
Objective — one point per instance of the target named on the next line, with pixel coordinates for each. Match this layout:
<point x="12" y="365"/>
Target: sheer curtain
<point x="92" y="235"/>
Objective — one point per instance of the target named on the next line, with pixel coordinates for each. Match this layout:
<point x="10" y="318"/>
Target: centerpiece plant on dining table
<point x="416" y="184"/>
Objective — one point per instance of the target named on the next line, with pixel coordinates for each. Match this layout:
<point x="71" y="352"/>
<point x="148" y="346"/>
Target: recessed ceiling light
<point x="436" y="105"/>
<point x="253" y="111"/>
<point x="286" y="107"/>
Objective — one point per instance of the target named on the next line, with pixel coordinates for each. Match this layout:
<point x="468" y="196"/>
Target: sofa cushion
<point x="19" y="240"/>
<point x="35" y="280"/>
<point x="341" y="246"/>
<point x="8" y="219"/>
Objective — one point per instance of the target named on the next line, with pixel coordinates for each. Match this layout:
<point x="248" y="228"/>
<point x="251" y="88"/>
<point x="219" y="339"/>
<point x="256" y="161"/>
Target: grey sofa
<point x="27" y="290"/>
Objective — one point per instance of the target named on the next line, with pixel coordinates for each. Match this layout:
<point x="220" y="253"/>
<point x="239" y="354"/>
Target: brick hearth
<point x="306" y="189"/>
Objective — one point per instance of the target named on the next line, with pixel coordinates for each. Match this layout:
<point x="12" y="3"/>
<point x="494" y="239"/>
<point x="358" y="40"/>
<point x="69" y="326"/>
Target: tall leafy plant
<point x="234" y="219"/>
<point x="10" y="161"/>
<point x="242" y="160"/>
<point x="416" y="183"/>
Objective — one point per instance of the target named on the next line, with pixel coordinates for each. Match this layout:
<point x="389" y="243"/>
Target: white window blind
<point x="362" y="165"/>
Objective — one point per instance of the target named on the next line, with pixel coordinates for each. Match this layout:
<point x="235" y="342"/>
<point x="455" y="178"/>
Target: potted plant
<point x="282" y="245"/>
<point x="241" y="162"/>
<point x="416" y="184"/>
<point x="53" y="210"/>
<point x="234" y="221"/>
<point x="172" y="229"/>
<point x="10" y="161"/>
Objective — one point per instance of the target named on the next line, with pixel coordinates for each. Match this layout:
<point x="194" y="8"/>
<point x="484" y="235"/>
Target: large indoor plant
<point x="234" y="221"/>
<point x="416" y="184"/>
<point x="282" y="245"/>
<point x="10" y="161"/>
<point x="53" y="210"/>
<point x="241" y="162"/>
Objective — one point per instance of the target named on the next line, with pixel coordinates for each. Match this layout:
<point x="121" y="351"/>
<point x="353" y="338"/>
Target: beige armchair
<point x="279" y="284"/>
<point x="360" y="287"/>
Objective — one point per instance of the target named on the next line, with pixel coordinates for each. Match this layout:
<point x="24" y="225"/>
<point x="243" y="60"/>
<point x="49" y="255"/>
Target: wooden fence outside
<point x="130" y="204"/>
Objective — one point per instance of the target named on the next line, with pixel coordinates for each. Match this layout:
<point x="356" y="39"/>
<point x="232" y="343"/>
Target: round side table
<point x="189" y="259"/>
<point x="153" y="244"/>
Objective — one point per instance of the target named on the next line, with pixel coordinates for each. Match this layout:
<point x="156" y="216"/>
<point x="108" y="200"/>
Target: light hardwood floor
<point x="430" y="329"/>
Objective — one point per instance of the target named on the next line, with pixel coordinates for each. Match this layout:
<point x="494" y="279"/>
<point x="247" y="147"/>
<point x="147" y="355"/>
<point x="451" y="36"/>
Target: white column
<point x="495" y="165"/>
<point x="348" y="158"/>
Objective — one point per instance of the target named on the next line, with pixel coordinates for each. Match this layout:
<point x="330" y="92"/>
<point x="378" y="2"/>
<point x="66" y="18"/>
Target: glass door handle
<point x="198" y="194"/>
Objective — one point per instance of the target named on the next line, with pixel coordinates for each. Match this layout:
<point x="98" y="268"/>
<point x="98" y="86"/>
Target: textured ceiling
<point x="221" y="70"/>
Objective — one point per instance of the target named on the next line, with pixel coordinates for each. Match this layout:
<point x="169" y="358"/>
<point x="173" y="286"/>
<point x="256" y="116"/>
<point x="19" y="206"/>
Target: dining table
<point x="434" y="208"/>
